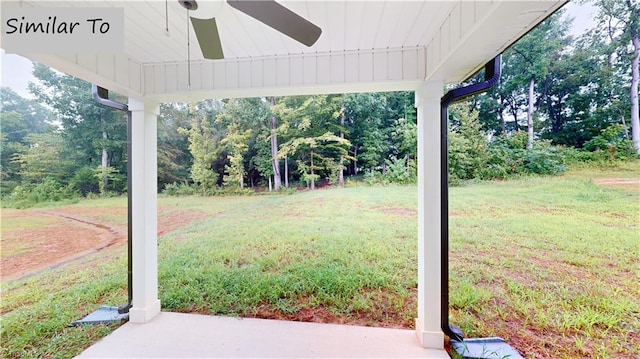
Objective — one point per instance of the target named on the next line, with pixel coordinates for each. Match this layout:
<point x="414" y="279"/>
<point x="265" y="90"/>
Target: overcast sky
<point x="16" y="70"/>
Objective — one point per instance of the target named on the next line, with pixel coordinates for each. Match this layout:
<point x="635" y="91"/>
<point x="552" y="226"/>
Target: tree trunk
<point x="286" y="171"/>
<point x="515" y="119"/>
<point x="530" y="116"/>
<point x="635" y="77"/>
<point x="355" y="159"/>
<point x="313" y="182"/>
<point x="503" y="125"/>
<point x="275" y="163"/>
<point x="624" y="124"/>
<point x="341" y="173"/>
<point x="270" y="187"/>
<point x="105" y="164"/>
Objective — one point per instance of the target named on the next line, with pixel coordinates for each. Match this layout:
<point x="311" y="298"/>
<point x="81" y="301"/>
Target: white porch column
<point x="428" y="109"/>
<point x="146" y="304"/>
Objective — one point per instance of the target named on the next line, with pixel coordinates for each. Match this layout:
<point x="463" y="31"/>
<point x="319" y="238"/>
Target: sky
<point x="16" y="70"/>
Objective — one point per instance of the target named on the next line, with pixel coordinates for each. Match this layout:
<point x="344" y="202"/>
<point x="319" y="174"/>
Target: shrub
<point x="397" y="171"/>
<point x="84" y="181"/>
<point x="116" y="182"/>
<point x="460" y="166"/>
<point x="229" y="191"/>
<point x="573" y="156"/>
<point x="468" y="153"/>
<point x="190" y="189"/>
<point x="544" y="159"/>
<point x="7" y="186"/>
<point x="611" y="144"/>
<point x="180" y="189"/>
<point x="508" y="158"/>
<point x="49" y="190"/>
<point x="372" y="177"/>
<point x="400" y="171"/>
<point x="517" y="141"/>
<point x="353" y="181"/>
<point x="503" y="161"/>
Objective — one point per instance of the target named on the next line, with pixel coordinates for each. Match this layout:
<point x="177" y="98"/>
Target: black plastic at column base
<point x="104" y="315"/>
<point x="484" y="348"/>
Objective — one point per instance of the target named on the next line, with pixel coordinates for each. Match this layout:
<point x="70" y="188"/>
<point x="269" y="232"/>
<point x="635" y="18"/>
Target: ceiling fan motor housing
<point x="189" y="4"/>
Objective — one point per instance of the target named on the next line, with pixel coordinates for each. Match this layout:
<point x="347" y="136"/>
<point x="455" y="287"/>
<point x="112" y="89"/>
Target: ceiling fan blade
<point x="280" y="18"/>
<point x="207" y="33"/>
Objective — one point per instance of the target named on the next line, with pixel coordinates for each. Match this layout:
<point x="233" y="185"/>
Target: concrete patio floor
<point x="178" y="335"/>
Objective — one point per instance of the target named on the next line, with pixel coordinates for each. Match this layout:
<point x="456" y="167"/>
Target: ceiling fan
<point x="268" y="12"/>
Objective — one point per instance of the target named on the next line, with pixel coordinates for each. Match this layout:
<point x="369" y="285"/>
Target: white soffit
<point x="364" y="46"/>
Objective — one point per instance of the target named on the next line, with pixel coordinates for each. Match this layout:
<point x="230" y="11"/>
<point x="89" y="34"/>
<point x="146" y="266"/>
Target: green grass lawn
<point x="550" y="264"/>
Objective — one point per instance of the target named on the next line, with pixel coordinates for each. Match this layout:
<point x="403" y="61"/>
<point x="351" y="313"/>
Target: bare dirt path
<point x="32" y="241"/>
<point x="63" y="238"/>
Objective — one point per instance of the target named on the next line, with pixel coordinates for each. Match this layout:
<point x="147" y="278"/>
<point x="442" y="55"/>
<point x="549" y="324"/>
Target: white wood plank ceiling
<point x="362" y="41"/>
<point x="347" y="26"/>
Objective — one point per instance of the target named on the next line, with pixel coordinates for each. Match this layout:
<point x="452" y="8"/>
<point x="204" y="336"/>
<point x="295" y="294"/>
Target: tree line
<point x="560" y="99"/>
<point x="275" y="142"/>
<point x="571" y="90"/>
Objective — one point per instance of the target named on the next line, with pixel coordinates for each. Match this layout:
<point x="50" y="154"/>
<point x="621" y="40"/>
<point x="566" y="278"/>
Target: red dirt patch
<point x="59" y="237"/>
<point x="115" y="215"/>
<point x="398" y="211"/>
<point x="384" y="313"/>
<point x="630" y="184"/>
<point x="323" y="315"/>
<point x="67" y="238"/>
<point x="171" y="220"/>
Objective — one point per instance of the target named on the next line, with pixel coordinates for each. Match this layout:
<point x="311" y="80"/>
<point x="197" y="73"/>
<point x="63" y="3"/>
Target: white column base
<point x="431" y="340"/>
<point x="143" y="315"/>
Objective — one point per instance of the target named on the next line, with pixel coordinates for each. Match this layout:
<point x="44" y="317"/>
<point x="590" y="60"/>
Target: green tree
<point x="312" y="156"/>
<point x="581" y="94"/>
<point x="621" y="20"/>
<point x="245" y="123"/>
<point x="405" y="133"/>
<point x="34" y="118"/>
<point x="94" y="134"/>
<point x="19" y="117"/>
<point x="204" y="138"/>
<point x="12" y="134"/>
<point x="236" y="144"/>
<point x="174" y="158"/>
<point x="468" y="144"/>
<point x="366" y="128"/>
<point x="44" y="157"/>
<point x="262" y="161"/>
<point x="529" y="60"/>
<point x="273" y="141"/>
<point x="313" y="126"/>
